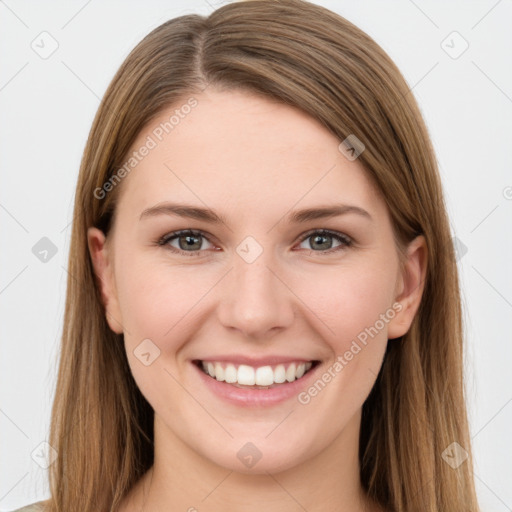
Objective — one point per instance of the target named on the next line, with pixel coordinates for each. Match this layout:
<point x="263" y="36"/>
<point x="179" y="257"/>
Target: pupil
<point x="320" y="237"/>
<point x="189" y="241"/>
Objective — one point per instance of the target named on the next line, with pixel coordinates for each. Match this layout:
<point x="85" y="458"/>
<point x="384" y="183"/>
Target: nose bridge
<point x="257" y="300"/>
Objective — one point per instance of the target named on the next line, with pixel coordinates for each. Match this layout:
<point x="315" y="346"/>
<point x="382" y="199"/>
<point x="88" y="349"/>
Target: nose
<point x="256" y="300"/>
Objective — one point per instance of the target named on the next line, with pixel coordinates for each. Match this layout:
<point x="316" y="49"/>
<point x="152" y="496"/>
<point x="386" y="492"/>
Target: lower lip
<point x="246" y="397"/>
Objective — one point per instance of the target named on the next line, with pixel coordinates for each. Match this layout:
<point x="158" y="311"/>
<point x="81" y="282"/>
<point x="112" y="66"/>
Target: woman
<point x="263" y="305"/>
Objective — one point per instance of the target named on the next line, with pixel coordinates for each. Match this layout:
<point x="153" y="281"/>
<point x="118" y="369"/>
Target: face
<point x="256" y="286"/>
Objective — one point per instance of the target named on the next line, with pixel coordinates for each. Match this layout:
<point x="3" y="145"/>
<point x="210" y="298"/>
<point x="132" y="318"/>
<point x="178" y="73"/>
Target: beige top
<point x="34" y="507"/>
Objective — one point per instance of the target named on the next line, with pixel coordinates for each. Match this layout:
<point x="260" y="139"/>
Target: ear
<point x="409" y="287"/>
<point x="103" y="269"/>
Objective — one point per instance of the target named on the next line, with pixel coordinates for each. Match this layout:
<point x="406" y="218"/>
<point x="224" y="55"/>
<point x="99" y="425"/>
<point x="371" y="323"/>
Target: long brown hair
<point x="313" y="59"/>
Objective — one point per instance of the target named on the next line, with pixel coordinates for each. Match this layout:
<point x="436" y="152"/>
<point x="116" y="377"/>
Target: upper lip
<point x="255" y="361"/>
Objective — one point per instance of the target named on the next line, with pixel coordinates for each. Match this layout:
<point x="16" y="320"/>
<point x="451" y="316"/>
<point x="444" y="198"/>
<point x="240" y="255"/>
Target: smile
<point x="261" y="377"/>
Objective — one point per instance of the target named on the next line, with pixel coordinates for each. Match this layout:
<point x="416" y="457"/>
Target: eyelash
<point x="344" y="239"/>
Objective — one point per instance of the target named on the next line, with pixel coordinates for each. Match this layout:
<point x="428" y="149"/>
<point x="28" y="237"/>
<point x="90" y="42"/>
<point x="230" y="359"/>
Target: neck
<point x="182" y="479"/>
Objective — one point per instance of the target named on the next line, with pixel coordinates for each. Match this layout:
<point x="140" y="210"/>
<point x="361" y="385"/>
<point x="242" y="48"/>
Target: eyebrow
<point x="208" y="215"/>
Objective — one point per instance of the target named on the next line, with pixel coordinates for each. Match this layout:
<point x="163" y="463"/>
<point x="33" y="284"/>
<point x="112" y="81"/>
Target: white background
<point x="47" y="107"/>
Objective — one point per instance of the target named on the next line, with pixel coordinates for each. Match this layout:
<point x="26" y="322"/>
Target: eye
<point x="188" y="241"/>
<point x="322" y="240"/>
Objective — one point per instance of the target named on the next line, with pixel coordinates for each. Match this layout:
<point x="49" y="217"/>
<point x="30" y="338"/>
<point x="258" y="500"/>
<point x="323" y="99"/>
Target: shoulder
<point x="33" y="507"/>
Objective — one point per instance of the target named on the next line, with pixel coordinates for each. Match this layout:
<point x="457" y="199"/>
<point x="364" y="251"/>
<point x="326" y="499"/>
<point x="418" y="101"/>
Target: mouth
<point x="249" y="377"/>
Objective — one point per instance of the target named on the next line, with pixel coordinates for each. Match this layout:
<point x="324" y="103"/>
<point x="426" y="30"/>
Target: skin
<point x="253" y="161"/>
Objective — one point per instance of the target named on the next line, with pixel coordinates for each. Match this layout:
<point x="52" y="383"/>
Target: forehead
<point x="240" y="151"/>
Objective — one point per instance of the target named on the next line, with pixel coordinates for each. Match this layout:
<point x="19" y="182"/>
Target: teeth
<point x="290" y="373"/>
<point x="264" y="376"/>
<point x="219" y="372"/>
<point x="230" y="373"/>
<point x="248" y="376"/>
<point x="279" y="374"/>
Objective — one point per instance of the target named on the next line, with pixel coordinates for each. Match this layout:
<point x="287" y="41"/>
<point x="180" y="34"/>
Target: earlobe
<point x="412" y="281"/>
<point x="103" y="270"/>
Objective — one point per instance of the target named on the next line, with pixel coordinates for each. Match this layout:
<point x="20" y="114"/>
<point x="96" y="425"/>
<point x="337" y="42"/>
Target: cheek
<point x="154" y="298"/>
<point x="352" y="301"/>
<point x="157" y="307"/>
<point x="357" y="311"/>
